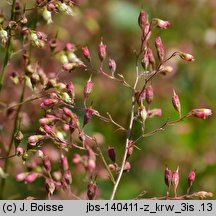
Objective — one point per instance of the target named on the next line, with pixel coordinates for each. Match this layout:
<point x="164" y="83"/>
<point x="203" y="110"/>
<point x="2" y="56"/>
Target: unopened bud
<point x="40" y="154"/>
<point x="19" y="151"/>
<point x="70" y="89"/>
<point x="191" y="179"/>
<point x="69" y="47"/>
<point x="154" y="112"/>
<point x="142" y="19"/>
<point x="102" y="51"/>
<point x="64" y="8"/>
<point x="142" y="113"/>
<point x="19" y="136"/>
<point x="77" y="159"/>
<point x="47" y="163"/>
<point x="86" y="53"/>
<point x="51" y="6"/>
<point x="201" y="113"/>
<point x="165" y="69"/>
<point x="160" y="48"/>
<point x="141" y="96"/>
<point x="91" y="165"/>
<point x="127" y="166"/>
<point x="162" y="24"/>
<point x="31" y="177"/>
<point x="68" y="112"/>
<point x="88" y="88"/>
<point x="149" y="94"/>
<point x="64" y="163"/>
<point x="21" y="176"/>
<point x="175" y="180"/>
<point x="88" y="115"/>
<point x="49" y="102"/>
<point x="47" y="15"/>
<point x="91" y="190"/>
<point x="45" y="121"/>
<point x="151" y="58"/>
<point x="112" y="154"/>
<point x="186" y="56"/>
<point x="48" y="129"/>
<point x="68" y="177"/>
<point x="112" y="66"/>
<point x="176" y="102"/>
<point x="35" y="138"/>
<point x="69" y="66"/>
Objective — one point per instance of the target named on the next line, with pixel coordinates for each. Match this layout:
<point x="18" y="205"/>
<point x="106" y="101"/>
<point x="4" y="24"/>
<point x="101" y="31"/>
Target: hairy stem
<point x="133" y="101"/>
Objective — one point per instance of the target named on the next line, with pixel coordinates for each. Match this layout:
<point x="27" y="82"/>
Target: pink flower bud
<point x="47" y="163"/>
<point x="201" y="113"/>
<point x="142" y="19"/>
<point x="149" y="94"/>
<point x="191" y="179"/>
<point x="21" y="176"/>
<point x="50" y="6"/>
<point x="35" y="138"/>
<point x="31" y="177"/>
<point x="48" y="129"/>
<point x="88" y="115"/>
<point x="91" y="165"/>
<point x="86" y="53"/>
<point x="141" y="96"/>
<point x="40" y="153"/>
<point x="77" y="159"/>
<point x="64" y="163"/>
<point x="67" y="177"/>
<point x="49" y="102"/>
<point x="91" y="190"/>
<point x="176" y="102"/>
<point x="167" y="176"/>
<point x="112" y="154"/>
<point x="186" y="56"/>
<point x="175" y="180"/>
<point x="44" y="121"/>
<point x="160" y="48"/>
<point x="112" y="66"/>
<point x="162" y="24"/>
<point x="71" y="90"/>
<point x="68" y="66"/>
<point x="88" y="88"/>
<point x="151" y="58"/>
<point x="69" y="47"/>
<point x="66" y="127"/>
<point x="102" y="51"/>
<point x="154" y="112"/>
<point x="68" y="112"/>
<point x="127" y="166"/>
<point x="19" y="151"/>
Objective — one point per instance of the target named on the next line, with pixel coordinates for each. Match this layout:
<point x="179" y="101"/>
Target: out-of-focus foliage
<point x="190" y="144"/>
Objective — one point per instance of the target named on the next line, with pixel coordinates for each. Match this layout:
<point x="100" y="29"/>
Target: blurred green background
<point x="190" y="144"/>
